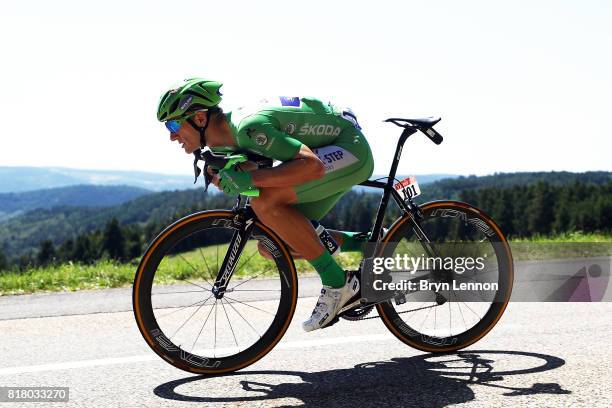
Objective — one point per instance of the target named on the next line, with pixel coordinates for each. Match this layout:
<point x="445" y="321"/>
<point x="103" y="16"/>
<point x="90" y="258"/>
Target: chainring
<point x="357" y="313"/>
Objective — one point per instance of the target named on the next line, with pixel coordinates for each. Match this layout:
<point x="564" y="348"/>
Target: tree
<point x="3" y="261"/>
<point x="134" y="244"/>
<point x="66" y="251"/>
<point x="113" y="241"/>
<point x="540" y="211"/>
<point x="46" y="253"/>
<point x="25" y="262"/>
<point x="83" y="251"/>
<point x="505" y="212"/>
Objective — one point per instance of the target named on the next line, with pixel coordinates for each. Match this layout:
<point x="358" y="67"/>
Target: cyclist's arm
<point x="304" y="167"/>
<point x="300" y="163"/>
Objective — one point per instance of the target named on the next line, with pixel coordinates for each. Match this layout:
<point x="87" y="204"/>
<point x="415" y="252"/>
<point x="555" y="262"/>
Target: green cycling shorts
<point x="348" y="161"/>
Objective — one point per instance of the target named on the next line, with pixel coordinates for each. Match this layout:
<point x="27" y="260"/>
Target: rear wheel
<point x="449" y="319"/>
<point x="181" y="319"/>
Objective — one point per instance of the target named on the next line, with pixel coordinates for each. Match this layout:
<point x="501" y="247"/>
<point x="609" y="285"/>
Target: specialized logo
<point x="334" y="157"/>
<point x="231" y="264"/>
<point x="260" y="139"/>
<point x="319" y="130"/>
<point x="290" y="128"/>
<point x="186" y="102"/>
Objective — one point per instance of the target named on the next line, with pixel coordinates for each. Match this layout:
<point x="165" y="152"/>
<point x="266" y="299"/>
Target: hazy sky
<point x="519" y="85"/>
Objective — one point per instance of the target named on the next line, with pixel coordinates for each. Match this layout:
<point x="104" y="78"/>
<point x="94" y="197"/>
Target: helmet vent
<point x="173" y="106"/>
<point x="197" y="95"/>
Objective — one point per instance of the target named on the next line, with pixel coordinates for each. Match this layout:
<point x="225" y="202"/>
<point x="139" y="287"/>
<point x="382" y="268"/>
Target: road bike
<point x="233" y="305"/>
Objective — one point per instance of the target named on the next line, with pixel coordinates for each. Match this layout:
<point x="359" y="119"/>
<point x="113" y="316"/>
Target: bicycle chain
<point x="399" y="313"/>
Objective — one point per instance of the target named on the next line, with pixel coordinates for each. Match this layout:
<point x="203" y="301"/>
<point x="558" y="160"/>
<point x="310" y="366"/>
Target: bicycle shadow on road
<point x="427" y="381"/>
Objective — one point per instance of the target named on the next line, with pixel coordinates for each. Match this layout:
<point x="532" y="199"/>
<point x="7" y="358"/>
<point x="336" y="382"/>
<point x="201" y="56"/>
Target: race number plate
<point x="410" y="186"/>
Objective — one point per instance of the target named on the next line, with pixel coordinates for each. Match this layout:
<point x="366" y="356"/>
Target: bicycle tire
<point x="439" y="344"/>
<point x="144" y="311"/>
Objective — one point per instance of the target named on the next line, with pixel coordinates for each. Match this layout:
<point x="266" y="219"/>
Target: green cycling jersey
<point x="278" y="130"/>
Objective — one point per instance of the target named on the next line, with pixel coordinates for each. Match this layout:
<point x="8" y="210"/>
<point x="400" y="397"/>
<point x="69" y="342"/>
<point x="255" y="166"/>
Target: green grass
<point x="571" y="237"/>
<point x="67" y="277"/>
<point x="198" y="265"/>
<point x="569" y="245"/>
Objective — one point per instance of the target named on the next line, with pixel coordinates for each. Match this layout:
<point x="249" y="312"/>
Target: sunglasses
<point x="174" y="125"/>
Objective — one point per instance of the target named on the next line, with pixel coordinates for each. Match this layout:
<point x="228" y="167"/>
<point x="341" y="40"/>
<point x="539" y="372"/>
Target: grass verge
<point x="200" y="264"/>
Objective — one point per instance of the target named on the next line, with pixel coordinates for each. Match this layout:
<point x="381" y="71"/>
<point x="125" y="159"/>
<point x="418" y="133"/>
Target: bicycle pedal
<point x="350" y="304"/>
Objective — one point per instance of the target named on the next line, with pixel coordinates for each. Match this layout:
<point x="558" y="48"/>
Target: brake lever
<point x="207" y="176"/>
<point x="198" y="156"/>
<point x="196" y="170"/>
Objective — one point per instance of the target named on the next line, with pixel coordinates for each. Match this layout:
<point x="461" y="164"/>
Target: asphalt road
<point x="539" y="354"/>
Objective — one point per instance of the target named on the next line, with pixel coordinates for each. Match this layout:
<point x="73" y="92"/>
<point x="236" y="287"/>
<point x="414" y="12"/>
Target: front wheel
<point x="444" y="318"/>
<point x="180" y="317"/>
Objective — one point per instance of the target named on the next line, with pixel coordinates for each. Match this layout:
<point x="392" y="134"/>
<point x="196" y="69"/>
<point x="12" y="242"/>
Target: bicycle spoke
<point x="230" y="324"/>
<point x="450" y="318"/>
<point x="435" y="320"/>
<point x="202" y="328"/>
<point x="252" y="277"/>
<point x="195" y="284"/>
<point x="245" y="320"/>
<point x="460" y="312"/>
<point x="470" y="309"/>
<point x="189" y="318"/>
<point x="194" y="269"/>
<point x="180" y="291"/>
<point x="254" y="290"/>
<point x="184" y="307"/>
<point x="423" y="322"/>
<point x="206" y="264"/>
<point x="247" y="261"/>
<point x="246" y="304"/>
<point x="215" y="345"/>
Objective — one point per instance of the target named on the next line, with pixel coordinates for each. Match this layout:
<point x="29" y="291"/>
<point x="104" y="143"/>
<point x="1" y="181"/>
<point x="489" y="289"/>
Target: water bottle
<point x="328" y="241"/>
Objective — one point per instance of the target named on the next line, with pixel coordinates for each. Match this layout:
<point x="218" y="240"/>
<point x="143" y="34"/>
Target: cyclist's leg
<point x="348" y="161"/>
<point x="313" y="211"/>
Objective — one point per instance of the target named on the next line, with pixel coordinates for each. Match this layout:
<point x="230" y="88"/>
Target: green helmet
<point x="195" y="94"/>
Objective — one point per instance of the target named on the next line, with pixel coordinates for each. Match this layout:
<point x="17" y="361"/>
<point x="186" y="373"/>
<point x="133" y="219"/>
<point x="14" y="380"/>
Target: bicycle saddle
<point x="421" y="122"/>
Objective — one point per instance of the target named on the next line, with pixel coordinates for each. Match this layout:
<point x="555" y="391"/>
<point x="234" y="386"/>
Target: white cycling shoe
<point x="330" y="302"/>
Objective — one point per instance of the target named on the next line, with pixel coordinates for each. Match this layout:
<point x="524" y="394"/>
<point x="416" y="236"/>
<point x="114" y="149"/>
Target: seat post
<point x="382" y="207"/>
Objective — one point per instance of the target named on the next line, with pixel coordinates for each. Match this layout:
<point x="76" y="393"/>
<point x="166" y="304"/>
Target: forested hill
<point x="12" y="204"/>
<point x="20" y="179"/>
<point x="23" y="233"/>
<point x="557" y="202"/>
<point x="452" y="188"/>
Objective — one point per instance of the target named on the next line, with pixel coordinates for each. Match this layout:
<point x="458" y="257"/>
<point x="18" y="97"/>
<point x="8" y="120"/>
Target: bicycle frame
<point x="245" y="216"/>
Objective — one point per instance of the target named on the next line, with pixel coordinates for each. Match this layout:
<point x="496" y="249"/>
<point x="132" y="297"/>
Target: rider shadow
<point x="426" y="380"/>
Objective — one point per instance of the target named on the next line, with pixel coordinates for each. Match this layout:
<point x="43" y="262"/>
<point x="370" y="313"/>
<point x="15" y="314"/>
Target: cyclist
<point x="323" y="154"/>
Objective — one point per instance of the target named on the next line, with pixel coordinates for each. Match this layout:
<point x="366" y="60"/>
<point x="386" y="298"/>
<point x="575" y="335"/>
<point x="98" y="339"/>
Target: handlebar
<point x="218" y="162"/>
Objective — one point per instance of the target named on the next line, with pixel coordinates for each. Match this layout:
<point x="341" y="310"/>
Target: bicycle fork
<point x="236" y="246"/>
